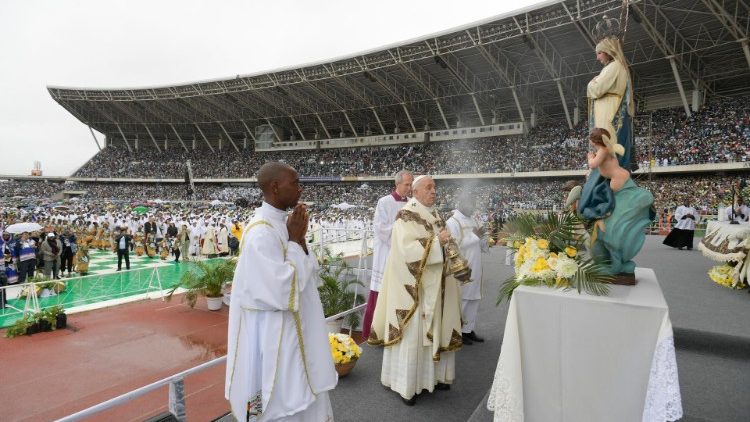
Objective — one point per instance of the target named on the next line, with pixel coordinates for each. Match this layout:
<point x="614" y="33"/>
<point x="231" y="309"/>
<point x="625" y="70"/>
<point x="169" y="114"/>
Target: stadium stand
<point x="719" y="132"/>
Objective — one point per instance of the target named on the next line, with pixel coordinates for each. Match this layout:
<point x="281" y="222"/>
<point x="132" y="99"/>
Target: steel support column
<point x="152" y="137"/>
<point x="204" y="136"/>
<point x="354" y="131"/>
<point x="228" y="136"/>
<point x="95" y="140"/>
<point x="249" y="132"/>
<point x="325" y="130"/>
<point x="119" y="129"/>
<point x="518" y="104"/>
<point x="679" y="86"/>
<point x="476" y="105"/>
<point x="408" y="117"/>
<point x="440" y="109"/>
<point x="302" y="135"/>
<point x="382" y="128"/>
<point x="273" y="129"/>
<point x="565" y="105"/>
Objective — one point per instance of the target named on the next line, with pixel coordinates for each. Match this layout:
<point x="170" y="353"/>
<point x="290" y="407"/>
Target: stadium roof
<point x="503" y="68"/>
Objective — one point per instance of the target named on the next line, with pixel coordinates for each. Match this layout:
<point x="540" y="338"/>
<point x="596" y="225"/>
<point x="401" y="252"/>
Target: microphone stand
<point x="734" y="201"/>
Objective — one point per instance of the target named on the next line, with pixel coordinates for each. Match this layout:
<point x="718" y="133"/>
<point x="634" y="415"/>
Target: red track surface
<point x="108" y="352"/>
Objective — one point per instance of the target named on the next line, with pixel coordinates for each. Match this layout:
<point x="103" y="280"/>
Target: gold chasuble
<point x="417" y="316"/>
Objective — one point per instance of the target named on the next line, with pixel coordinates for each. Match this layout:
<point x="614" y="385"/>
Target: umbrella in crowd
<point x="140" y="210"/>
<point x="23" y="228"/>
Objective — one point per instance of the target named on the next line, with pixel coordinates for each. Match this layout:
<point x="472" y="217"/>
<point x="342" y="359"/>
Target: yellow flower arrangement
<point x="547" y="254"/>
<point x="343" y="348"/>
<point x="540" y="265"/>
<point x="724" y="275"/>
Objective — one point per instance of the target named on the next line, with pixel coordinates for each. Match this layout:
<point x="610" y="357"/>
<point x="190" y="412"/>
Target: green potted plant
<point x="45" y="322"/>
<point x="19" y="328"/>
<point x="57" y="317"/>
<point x="335" y="292"/>
<point x="207" y="279"/>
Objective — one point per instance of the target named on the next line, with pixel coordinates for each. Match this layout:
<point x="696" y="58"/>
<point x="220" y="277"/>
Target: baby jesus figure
<point x="606" y="160"/>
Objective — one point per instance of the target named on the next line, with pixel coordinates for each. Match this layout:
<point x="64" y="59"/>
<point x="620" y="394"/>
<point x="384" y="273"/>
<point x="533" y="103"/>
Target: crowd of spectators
<point x="705" y="192"/>
<point x="29" y="189"/>
<point x="719" y="132"/>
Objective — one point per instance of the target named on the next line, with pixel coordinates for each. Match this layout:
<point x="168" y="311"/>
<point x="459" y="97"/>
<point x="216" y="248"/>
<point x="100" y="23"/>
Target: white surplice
<point x="461" y="228"/>
<point x="688" y="223"/>
<point x="382" y="224"/>
<point x="279" y="362"/>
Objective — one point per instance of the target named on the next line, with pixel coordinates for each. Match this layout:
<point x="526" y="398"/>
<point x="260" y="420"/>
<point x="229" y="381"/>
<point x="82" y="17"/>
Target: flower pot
<point x="44" y="325"/>
<point x="335" y="325"/>
<point x="61" y="321"/>
<point x="32" y="329"/>
<point x="214" y="303"/>
<point x="343" y="369"/>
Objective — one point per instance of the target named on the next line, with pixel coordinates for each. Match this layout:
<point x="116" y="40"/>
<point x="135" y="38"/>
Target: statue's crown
<point x="607" y="28"/>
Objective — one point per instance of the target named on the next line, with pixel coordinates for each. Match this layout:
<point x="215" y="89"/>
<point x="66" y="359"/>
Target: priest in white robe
<point x="222" y="244"/>
<point x="382" y="224"/>
<point x="417" y="317"/>
<point x="279" y="363"/>
<point x="472" y="242"/>
<point x="209" y="247"/>
<point x="682" y="234"/>
<point x="739" y="213"/>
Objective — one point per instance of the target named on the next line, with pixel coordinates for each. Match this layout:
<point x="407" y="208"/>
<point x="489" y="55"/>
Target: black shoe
<point x="466" y="339"/>
<point x="474" y="337"/>
<point x="119" y="269"/>
<point x="441" y="386"/>
<point x="410" y="402"/>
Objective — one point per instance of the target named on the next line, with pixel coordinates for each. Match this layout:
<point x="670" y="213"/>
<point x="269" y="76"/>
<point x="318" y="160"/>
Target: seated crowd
<point x="719" y="132"/>
<point x="704" y="192"/>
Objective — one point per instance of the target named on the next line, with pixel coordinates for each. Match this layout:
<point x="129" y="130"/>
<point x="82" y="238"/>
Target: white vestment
<point x="471" y="246"/>
<point x="739" y="212"/>
<point x="279" y="363"/>
<point x="688" y="223"/>
<point x="223" y="238"/>
<point x="209" y="242"/>
<point x="417" y="316"/>
<point x="195" y="235"/>
<point x="382" y="224"/>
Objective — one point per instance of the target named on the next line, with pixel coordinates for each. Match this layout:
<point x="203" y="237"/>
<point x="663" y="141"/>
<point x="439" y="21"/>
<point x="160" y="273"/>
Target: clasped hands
<point x="297" y="224"/>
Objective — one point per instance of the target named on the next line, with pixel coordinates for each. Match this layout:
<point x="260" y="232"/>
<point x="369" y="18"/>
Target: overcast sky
<point x="133" y="43"/>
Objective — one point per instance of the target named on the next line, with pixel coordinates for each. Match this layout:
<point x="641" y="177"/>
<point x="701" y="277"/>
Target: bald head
<point x="272" y="171"/>
<point x="280" y="184"/>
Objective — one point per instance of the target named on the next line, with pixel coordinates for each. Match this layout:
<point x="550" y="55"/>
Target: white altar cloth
<point x="571" y="357"/>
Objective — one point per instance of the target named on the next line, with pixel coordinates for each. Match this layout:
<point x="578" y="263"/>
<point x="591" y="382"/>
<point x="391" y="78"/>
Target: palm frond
<point x="506" y="290"/>
<point x="509" y="285"/>
<point x="559" y="229"/>
<point x="592" y="278"/>
<point x="523" y="226"/>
